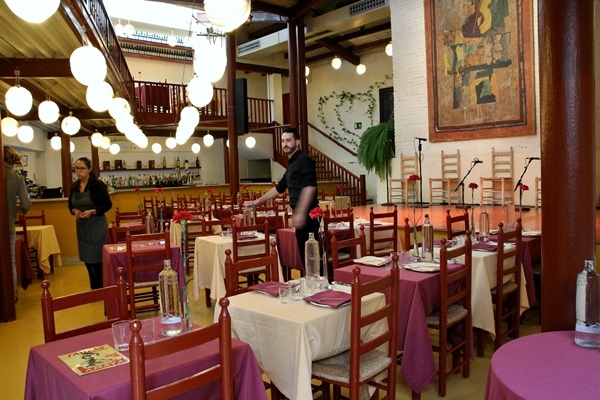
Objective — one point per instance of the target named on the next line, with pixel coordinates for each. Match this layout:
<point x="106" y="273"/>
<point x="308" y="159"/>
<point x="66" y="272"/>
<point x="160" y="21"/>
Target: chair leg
<point x="479" y="342"/>
<point x="207" y="298"/>
<point x="416" y="396"/>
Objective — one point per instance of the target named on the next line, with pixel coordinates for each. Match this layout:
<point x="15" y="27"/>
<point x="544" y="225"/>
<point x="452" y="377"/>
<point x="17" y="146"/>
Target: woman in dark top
<point x="88" y="201"/>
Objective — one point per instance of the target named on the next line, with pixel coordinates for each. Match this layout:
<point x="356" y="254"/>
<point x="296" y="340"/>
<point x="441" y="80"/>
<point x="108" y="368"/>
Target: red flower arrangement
<point x="245" y="187"/>
<point x="316" y="212"/>
<point x="473" y="186"/>
<point x="159" y="190"/>
<point x="523" y="187"/>
<point x="182" y="215"/>
<point x="137" y="189"/>
<point x="414" y="177"/>
<point x="340" y="186"/>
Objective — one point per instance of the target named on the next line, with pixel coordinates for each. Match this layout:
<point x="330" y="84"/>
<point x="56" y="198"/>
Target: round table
<point x="543" y="366"/>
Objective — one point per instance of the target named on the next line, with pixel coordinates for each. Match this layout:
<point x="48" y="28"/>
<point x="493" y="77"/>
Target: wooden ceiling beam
<point x="339" y="51"/>
<point x="38" y="68"/>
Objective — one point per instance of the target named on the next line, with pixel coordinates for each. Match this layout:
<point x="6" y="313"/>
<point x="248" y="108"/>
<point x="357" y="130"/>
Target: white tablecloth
<point x="209" y="263"/>
<point x="286" y="338"/>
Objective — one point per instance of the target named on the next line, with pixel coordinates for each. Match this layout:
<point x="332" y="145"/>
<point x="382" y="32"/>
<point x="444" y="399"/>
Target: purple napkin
<point x="485" y="247"/>
<point x="438" y="243"/>
<point x="329" y="298"/>
<point x="271" y="288"/>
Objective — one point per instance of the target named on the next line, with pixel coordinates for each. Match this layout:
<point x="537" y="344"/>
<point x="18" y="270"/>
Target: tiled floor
<point x="18" y="336"/>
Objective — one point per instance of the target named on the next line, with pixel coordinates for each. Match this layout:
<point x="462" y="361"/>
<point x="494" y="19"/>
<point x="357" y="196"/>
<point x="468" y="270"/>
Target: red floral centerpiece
<point x="317" y="213"/>
<point x="181" y="217"/>
<point x="340" y="188"/>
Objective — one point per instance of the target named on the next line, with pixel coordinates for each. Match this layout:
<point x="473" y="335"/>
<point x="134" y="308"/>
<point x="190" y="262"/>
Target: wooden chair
<point x="129" y="216"/>
<point x="345" y="229"/>
<point x="408" y="241"/>
<point x="383" y="238"/>
<point x="31" y="251"/>
<point x="241" y="244"/>
<point x="364" y="361"/>
<point x="194" y="229"/>
<point x="399" y="188"/>
<point x="118" y="233"/>
<point x="149" y="206"/>
<point x="498" y="189"/>
<point x="222" y="368"/>
<point x="51" y="305"/>
<point x="143" y="266"/>
<point x="39" y="219"/>
<point x="267" y="265"/>
<point x="215" y="226"/>
<point x="355" y="247"/>
<point x="454" y="312"/>
<point x="507" y="293"/>
<point x="442" y="189"/>
<point x="538" y="192"/>
<point x="457" y="225"/>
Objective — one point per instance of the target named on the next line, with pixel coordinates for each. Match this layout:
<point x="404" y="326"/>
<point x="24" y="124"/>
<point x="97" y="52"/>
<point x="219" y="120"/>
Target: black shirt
<point x="301" y="172"/>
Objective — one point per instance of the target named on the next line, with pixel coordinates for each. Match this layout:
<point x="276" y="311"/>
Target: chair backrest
<point x="118" y="233"/>
<point x="457" y="225"/>
<point x="451" y="165"/>
<point x="221" y="369"/>
<point x="361" y="319"/>
<point x="129" y="216"/>
<point x="408" y="166"/>
<point x="149" y="206"/>
<point x="267" y="265"/>
<point x="39" y="219"/>
<point x="409" y="236"/>
<point x="242" y="240"/>
<point x="51" y="305"/>
<point x="355" y="246"/>
<point x="508" y="263"/>
<point x="383" y="238"/>
<point x="145" y="262"/>
<point x="345" y="227"/>
<point x="215" y="226"/>
<point x="502" y="163"/>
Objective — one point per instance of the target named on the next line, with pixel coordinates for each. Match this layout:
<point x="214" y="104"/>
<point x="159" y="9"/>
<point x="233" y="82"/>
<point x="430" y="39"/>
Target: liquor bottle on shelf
<point x="197" y="162"/>
<point x="164" y="162"/>
<point x="177" y="162"/>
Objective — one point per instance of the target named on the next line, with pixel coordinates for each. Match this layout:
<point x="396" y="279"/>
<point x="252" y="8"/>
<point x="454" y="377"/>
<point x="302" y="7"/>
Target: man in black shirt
<point x="300" y="179"/>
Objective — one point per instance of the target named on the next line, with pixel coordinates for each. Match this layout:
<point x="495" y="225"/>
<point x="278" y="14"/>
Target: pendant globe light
<point x="70" y="125"/>
<point x="96" y="139"/>
<point x="227" y="15"/>
<point x="48" y="112"/>
<point x="99" y="96"/>
<point x="72" y="147"/>
<point x="119" y="107"/>
<point x="361" y="69"/>
<point x="250" y="142"/>
<point x="208" y="139"/>
<point x="56" y="142"/>
<point x="199" y="91"/>
<point x="10" y="126"/>
<point x="88" y="65"/>
<point x="25" y="133"/>
<point x="35" y="11"/>
<point x="156" y="148"/>
<point x="171" y="143"/>
<point x="336" y="63"/>
<point x="18" y="100"/>
<point x="105" y="143"/>
<point x="114" y="148"/>
<point x="195" y="148"/>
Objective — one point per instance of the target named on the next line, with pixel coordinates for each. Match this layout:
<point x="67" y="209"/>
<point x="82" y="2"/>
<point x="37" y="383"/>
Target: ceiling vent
<point x="367" y="5"/>
<point x="249" y="47"/>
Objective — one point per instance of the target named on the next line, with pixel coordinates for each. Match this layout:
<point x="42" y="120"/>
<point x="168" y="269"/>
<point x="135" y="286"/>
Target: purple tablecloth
<point x="544" y="366"/>
<point x="48" y="378"/>
<point x="419" y="296"/>
<point x="287" y="248"/>
<point x="115" y="256"/>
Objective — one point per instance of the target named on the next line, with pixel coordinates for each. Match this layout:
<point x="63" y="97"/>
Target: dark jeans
<point x="312" y="225"/>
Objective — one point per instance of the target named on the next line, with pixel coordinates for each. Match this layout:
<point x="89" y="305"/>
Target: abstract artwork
<point x="479" y="62"/>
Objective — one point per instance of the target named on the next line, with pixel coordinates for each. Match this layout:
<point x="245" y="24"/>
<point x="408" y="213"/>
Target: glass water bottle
<point x="427" y="239"/>
<point x="587" y="307"/>
<point x="170" y="308"/>
<point x="484" y="226"/>
<point x="312" y="259"/>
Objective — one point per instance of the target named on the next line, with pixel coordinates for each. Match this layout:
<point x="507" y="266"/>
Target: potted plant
<point x="376" y="149"/>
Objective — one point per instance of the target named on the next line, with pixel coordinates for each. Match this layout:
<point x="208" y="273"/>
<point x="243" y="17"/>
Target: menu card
<point x="94" y="359"/>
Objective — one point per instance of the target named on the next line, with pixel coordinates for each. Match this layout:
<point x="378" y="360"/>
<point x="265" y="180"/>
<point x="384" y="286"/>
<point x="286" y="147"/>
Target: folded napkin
<point x="246" y="235"/>
<point x="372" y="261"/>
<point x="329" y="298"/>
<point x="532" y="232"/>
<point x="485" y="247"/>
<point x="423" y="267"/>
<point x="271" y="288"/>
<point x="438" y="243"/>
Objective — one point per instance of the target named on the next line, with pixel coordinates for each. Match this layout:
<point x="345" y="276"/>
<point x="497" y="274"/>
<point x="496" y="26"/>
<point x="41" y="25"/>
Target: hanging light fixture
<point x="25" y="133"/>
<point x="48" y="112"/>
<point x="10" y="126"/>
<point x="70" y="125"/>
<point x="18" y="99"/>
<point x="361" y="69"/>
<point x="171" y="143"/>
<point x="114" y="148"/>
<point x="96" y="139"/>
<point x="56" y="142"/>
<point x="208" y="139"/>
<point x="172" y="40"/>
<point x="389" y="50"/>
<point x="156" y="148"/>
<point x="119" y="29"/>
<point x="88" y="65"/>
<point x="209" y="50"/>
<point x="336" y="63"/>
<point x="35" y="11"/>
<point x="105" y="143"/>
<point x="199" y="91"/>
<point x="128" y="29"/>
<point x="250" y="142"/>
<point x="227" y="15"/>
<point x="190" y="117"/>
<point x="118" y="107"/>
<point x="99" y="96"/>
<point x="306" y="70"/>
<point x="72" y="147"/>
<point x="195" y="148"/>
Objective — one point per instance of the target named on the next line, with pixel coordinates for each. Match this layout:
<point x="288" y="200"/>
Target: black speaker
<point x="241" y="106"/>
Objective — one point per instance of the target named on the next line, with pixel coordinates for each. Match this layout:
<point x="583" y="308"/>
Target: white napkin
<point x="372" y="260"/>
<point x="423" y="267"/>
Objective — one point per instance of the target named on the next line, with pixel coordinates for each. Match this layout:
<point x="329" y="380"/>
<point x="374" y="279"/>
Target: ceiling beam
<point x="301" y="9"/>
<point x="364" y="46"/>
<point x="38" y="68"/>
<point x="261" y="69"/>
<point x="339" y="50"/>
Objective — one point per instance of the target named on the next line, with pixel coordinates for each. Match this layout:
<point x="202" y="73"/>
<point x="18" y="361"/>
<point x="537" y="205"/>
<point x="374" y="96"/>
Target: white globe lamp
<point x="99" y="96"/>
<point x="25" y="133"/>
<point x="156" y="148"/>
<point x="361" y="69"/>
<point x="195" y="148"/>
<point x="10" y="126"/>
<point x="250" y="142"/>
<point x="105" y="143"/>
<point x="199" y="91"/>
<point x="18" y="100"/>
<point x="114" y="148"/>
<point x="70" y="125"/>
<point x="48" y="112"/>
<point x="208" y="140"/>
<point x="88" y="65"/>
<point x="56" y="142"/>
<point x="336" y="63"/>
<point x="35" y="11"/>
<point x="171" y="143"/>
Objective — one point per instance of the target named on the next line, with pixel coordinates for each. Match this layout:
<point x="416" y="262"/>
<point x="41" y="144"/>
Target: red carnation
<point x="181" y="215"/>
<point x="473" y="185"/>
<point x="316" y="212"/>
<point x="414" y="177"/>
<point x="524" y="187"/>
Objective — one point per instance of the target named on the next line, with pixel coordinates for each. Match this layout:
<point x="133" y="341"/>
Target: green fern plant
<point x="376" y="148"/>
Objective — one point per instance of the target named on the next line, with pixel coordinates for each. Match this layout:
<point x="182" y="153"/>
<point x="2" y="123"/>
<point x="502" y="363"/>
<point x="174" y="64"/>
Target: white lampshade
<point x="208" y="140"/>
<point x="48" y="112"/>
<point x="72" y="147"/>
<point x="183" y="133"/>
<point x="105" y="143"/>
<point x="56" y="142"/>
<point x="124" y="123"/>
<point x="35" y="11"/>
<point x="361" y="69"/>
<point x="114" y="148"/>
<point x="96" y="139"/>
<point x="156" y="148"/>
<point x="88" y="65"/>
<point x="336" y="63"/>
<point x="118" y="107"/>
<point x="171" y="143"/>
<point x="70" y="125"/>
<point x="129" y="29"/>
<point x="389" y="49"/>
<point x="250" y="142"/>
<point x="210" y="61"/>
<point x="190" y="117"/>
<point x="119" y="29"/>
<point x="25" y="134"/>
<point x="195" y="148"/>
<point x="199" y="91"/>
<point x="18" y="100"/>
<point x="172" y="40"/>
<point x="10" y="126"/>
<point x="227" y="15"/>
<point x="306" y="70"/>
<point x="99" y="96"/>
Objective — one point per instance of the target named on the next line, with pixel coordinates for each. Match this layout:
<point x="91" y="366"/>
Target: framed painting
<point x="479" y="63"/>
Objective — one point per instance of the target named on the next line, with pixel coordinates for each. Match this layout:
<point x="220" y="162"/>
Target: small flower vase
<point x="324" y="258"/>
<point x="140" y="207"/>
<point x="416" y="257"/>
<point x="473" y="236"/>
<point x="183" y="223"/>
<point x="187" y="320"/>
